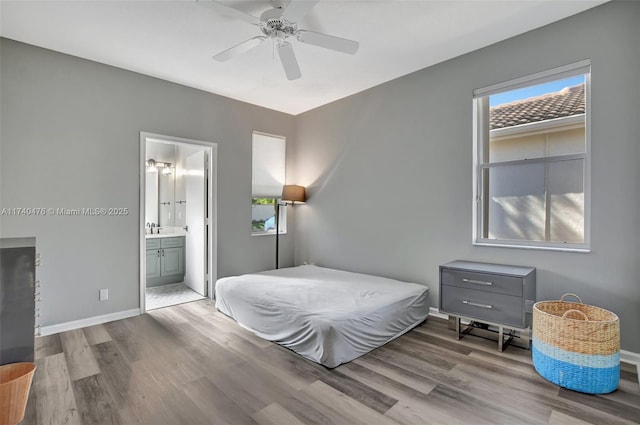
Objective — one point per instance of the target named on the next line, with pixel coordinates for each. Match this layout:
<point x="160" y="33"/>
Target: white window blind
<point x="268" y="165"/>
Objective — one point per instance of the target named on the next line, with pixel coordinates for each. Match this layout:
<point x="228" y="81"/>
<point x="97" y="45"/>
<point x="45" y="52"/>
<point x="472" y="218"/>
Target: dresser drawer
<point x="172" y="242"/>
<point x="487" y="282"/>
<point x="482" y="305"/>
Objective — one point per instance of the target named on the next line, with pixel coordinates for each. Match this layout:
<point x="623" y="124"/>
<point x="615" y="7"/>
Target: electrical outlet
<point x="104" y="294"/>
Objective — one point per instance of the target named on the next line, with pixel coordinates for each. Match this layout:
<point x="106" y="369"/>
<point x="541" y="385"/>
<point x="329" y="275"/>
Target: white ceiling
<point x="174" y="40"/>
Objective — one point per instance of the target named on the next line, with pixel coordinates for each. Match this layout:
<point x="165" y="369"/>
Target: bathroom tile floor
<point x="166" y="295"/>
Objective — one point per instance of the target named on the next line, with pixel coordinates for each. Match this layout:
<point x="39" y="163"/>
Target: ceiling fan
<point x="279" y="24"/>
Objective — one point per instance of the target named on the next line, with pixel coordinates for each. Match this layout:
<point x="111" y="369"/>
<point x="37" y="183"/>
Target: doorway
<point x="177" y="220"/>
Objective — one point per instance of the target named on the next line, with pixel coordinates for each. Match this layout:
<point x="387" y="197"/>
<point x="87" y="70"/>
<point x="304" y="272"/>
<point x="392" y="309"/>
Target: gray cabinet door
<point x="153" y="263"/>
<point x="172" y="261"/>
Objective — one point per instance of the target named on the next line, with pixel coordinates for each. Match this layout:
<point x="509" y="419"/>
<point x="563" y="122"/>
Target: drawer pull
<point x="478" y="282"/>
<point x="476" y="304"/>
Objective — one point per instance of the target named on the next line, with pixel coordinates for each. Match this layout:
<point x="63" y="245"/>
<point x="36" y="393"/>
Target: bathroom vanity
<point x="165" y="259"/>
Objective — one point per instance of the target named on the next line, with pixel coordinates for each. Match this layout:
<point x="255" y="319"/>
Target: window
<point x="531" y="165"/>
<point x="268" y="177"/>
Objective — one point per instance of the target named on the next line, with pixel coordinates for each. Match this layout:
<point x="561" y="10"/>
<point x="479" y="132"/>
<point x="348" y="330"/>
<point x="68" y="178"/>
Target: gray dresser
<point x="17" y="299"/>
<point x="490" y="294"/>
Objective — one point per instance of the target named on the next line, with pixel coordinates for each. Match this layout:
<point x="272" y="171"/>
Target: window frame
<point x="481" y="139"/>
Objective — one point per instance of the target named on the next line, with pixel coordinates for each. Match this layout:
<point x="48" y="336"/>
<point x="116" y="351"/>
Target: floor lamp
<point x="290" y="194"/>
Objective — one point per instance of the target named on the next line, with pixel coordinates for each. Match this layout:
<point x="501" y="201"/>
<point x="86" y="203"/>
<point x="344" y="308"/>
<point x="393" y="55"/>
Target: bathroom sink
<point x="163" y="235"/>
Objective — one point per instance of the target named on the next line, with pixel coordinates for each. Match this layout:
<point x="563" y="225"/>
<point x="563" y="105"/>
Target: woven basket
<point x="15" y="381"/>
<point x="576" y="346"/>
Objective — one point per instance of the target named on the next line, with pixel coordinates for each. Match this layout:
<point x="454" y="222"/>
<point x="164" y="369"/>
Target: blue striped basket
<point x="576" y="346"/>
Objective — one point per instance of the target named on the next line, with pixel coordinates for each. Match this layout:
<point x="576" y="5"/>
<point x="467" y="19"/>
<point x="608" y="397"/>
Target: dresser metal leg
<point x="458" y="327"/>
<point x="525" y="337"/>
<point x="522" y="339"/>
<point x="451" y="323"/>
<point x="502" y="344"/>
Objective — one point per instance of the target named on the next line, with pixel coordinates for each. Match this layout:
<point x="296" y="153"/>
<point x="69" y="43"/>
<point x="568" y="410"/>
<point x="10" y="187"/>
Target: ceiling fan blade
<point x="296" y="9"/>
<point x="289" y="62"/>
<point x="239" y="49"/>
<point x="230" y="12"/>
<point x="328" y="41"/>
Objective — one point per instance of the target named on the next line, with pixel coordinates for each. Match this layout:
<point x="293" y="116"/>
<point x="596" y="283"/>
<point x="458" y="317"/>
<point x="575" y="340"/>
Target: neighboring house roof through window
<point x="567" y="102"/>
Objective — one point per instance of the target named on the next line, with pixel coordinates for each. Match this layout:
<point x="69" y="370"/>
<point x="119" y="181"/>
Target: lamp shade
<point x="293" y="193"/>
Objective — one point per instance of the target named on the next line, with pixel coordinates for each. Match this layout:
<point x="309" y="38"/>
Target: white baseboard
<point x="436" y="313"/>
<point x="89" y="321"/>
<point x="631" y="358"/>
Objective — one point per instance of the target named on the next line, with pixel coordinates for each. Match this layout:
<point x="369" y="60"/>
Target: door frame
<point x="212" y="213"/>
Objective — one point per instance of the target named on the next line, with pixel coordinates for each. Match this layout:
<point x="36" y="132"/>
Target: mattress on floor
<point x="328" y="316"/>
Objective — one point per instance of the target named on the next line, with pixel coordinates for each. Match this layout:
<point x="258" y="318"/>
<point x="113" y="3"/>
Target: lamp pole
<point x="277" y="232"/>
<point x="293" y="194"/>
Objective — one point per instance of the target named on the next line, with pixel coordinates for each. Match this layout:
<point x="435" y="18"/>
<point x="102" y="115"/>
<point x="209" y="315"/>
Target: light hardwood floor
<point x="189" y="364"/>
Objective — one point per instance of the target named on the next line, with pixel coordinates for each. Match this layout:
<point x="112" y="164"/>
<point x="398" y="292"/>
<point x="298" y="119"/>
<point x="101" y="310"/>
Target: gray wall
<point x="70" y="138"/>
<point x="390" y="169"/>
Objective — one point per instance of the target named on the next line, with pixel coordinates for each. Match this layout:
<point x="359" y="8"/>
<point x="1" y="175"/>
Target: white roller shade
<point x="268" y="166"/>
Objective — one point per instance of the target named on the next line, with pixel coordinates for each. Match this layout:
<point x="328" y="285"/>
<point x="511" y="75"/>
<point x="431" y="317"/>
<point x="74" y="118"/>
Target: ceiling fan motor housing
<point x="275" y="26"/>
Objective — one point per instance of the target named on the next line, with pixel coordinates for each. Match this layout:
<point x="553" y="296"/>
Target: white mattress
<point x="328" y="316"/>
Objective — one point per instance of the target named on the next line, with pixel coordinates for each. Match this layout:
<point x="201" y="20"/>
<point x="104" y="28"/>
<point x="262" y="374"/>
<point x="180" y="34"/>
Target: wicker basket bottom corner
<point x="577" y="375"/>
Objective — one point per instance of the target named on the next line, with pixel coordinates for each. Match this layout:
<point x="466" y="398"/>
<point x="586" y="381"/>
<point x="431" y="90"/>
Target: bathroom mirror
<point x="166" y="199"/>
<point x="151" y="198"/>
<point x="160" y="200"/>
